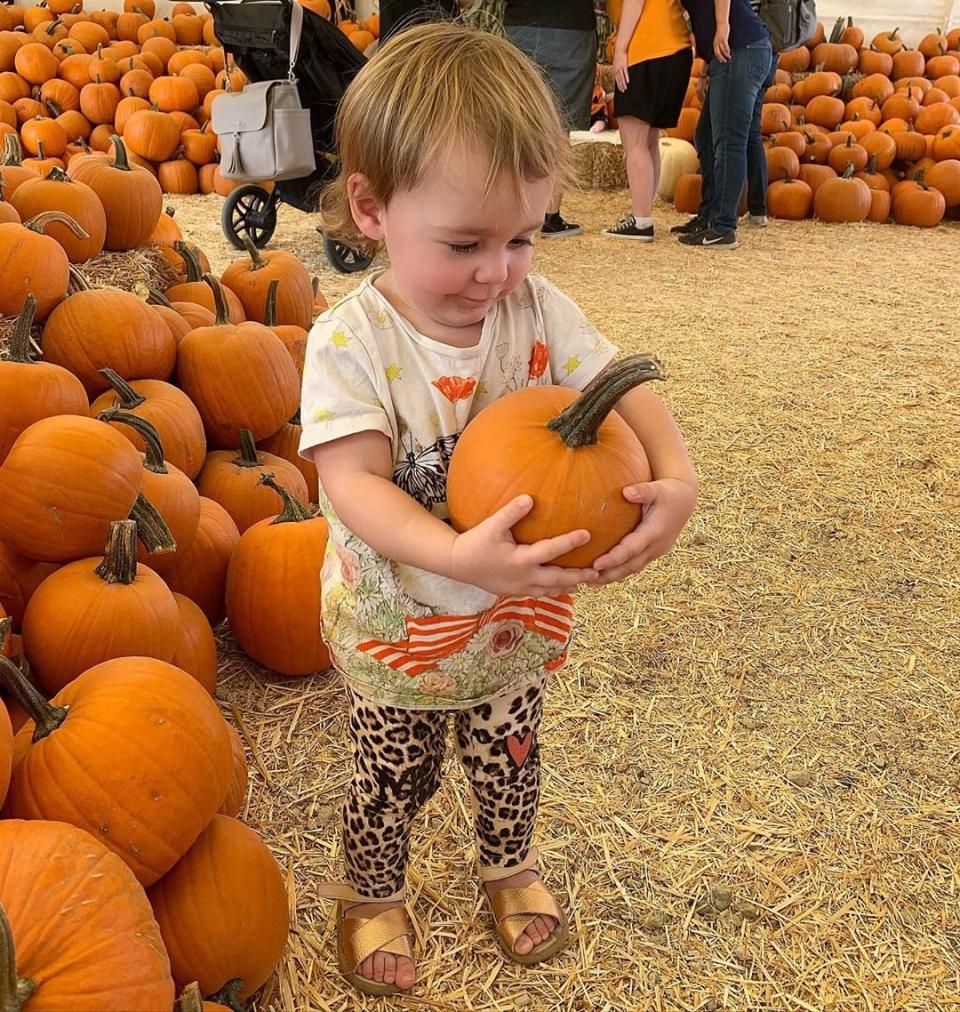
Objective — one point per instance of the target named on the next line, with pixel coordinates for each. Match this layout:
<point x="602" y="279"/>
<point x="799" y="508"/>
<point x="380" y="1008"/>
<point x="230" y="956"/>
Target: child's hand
<point x="668" y="504"/>
<point x="488" y="557"/>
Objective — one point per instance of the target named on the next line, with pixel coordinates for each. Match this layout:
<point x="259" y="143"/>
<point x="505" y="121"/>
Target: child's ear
<point x="364" y="207"/>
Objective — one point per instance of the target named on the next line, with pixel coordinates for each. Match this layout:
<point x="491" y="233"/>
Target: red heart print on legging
<point x="519" y="748"/>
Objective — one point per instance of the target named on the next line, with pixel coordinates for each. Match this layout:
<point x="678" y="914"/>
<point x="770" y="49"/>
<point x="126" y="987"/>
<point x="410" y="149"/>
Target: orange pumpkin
<point x="195" y="289"/>
<point x="571" y="452"/>
<point x="19" y="579"/>
<point x="151" y="134"/>
<point x="842" y="199"/>
<point x="57" y="192"/>
<point x="251" y="277"/>
<point x="75" y="926"/>
<point x="790" y="198"/>
<point x="146" y="795"/>
<point x="944" y="176"/>
<point x="33" y="263"/>
<point x="285" y="443"/>
<point x="196" y="649"/>
<point x="237" y="793"/>
<point x="921" y="206"/>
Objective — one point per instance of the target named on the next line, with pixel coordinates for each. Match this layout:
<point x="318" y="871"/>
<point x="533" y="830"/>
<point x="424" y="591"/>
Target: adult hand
<point x="668" y="504"/>
<point x="488" y="557"/>
<point x="621" y="73"/>
<point x="721" y="43"/>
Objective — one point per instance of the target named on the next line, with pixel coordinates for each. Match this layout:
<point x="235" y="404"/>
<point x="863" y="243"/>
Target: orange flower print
<point x="455" y="388"/>
<point x="538" y="360"/>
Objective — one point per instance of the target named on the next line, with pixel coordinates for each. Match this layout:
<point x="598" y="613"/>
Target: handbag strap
<point x="296" y="27"/>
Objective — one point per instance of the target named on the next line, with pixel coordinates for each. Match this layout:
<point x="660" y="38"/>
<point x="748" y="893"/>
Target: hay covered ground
<point x="752" y="768"/>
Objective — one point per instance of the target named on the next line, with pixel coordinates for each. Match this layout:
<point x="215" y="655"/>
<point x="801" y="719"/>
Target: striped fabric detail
<point x="431" y="639"/>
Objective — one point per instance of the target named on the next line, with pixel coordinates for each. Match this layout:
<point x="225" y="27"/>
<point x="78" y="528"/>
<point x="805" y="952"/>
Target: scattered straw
<point x="752" y="779"/>
<point x="144" y="266"/>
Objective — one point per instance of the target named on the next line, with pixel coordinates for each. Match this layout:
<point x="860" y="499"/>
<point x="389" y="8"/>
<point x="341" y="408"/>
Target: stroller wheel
<point x="249" y="210"/>
<point x="345" y="259"/>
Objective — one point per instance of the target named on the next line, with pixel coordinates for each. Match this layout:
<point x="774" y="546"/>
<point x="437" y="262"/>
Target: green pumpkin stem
<point x="270" y="306"/>
<point x="848" y="171"/>
<point x="14" y="990"/>
<point x="155" y="298"/>
<point x="40" y="221"/>
<point x="579" y="424"/>
<point x="837" y="31"/>
<point x="248" y="450"/>
<point x="219" y="299"/>
<point x="20" y="338"/>
<point x="129" y="398"/>
<point x="258" y="262"/>
<point x="229" y="995"/>
<point x="120" y="160"/>
<point x="119" y="563"/>
<point x="46" y="716"/>
<point x="872" y="165"/>
<point x="293" y="510"/>
<point x="153" y="458"/>
<point x="191" y="259"/>
<point x="152" y="529"/>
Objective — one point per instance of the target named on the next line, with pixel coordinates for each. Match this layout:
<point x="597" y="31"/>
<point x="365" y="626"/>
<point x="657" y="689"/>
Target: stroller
<point x="256" y="33"/>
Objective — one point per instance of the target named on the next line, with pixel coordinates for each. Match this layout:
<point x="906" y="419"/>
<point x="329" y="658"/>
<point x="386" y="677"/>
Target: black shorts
<point x="656" y="90"/>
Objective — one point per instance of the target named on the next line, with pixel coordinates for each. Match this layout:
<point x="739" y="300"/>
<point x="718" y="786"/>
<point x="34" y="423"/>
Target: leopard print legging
<point x="397" y="759"/>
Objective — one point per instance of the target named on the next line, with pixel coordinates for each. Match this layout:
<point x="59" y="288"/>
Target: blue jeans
<point x="756" y="153"/>
<point x="733" y="101"/>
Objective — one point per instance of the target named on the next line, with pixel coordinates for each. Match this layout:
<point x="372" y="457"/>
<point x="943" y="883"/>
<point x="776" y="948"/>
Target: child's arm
<point x="355" y="472"/>
<point x="668" y="499"/>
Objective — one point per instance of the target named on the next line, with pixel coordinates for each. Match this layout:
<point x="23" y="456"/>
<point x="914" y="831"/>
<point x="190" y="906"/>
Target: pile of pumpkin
<point x="856" y="132"/>
<point x="363" y="34"/>
<point x="136" y="512"/>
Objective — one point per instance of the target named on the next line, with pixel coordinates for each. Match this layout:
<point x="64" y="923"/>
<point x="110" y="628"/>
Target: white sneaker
<point x="758" y="220"/>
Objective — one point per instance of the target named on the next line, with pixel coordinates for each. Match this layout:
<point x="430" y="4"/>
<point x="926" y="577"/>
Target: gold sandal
<point x="360" y="937"/>
<point x="515" y="909"/>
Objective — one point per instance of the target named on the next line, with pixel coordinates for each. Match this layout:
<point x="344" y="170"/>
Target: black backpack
<point x="792" y="23"/>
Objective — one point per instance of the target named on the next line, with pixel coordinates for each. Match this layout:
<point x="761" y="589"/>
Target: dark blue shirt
<point x="575" y="14"/>
<point x="745" y="25"/>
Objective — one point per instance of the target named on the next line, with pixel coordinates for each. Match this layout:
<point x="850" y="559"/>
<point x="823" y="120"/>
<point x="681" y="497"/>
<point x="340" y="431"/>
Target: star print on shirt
<point x="323" y="415"/>
<point x="393" y="372"/>
<point x="573" y="364"/>
<point x="340" y="339"/>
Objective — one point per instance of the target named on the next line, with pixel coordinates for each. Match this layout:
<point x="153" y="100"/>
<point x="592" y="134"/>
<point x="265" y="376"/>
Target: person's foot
<point x="692" y="227"/>
<point x="554" y="227"/>
<point x="627" y="228"/>
<point x="758" y="220"/>
<point x="711" y="239"/>
<point x="540" y="928"/>
<point x="385" y="967"/>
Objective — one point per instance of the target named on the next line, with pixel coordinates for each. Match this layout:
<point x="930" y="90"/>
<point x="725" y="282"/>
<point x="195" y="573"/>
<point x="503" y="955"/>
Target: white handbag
<point x="264" y="131"/>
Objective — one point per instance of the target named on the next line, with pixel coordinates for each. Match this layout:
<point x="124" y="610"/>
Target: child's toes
<point x="406" y="975"/>
<point x="366" y="968"/>
<point x="389" y="968"/>
<point x="379" y="960"/>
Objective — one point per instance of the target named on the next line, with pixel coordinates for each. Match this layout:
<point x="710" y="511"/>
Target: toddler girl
<point x="450" y="148"/>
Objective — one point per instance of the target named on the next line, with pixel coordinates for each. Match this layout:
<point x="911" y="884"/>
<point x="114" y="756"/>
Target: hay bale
<point x="599" y="162"/>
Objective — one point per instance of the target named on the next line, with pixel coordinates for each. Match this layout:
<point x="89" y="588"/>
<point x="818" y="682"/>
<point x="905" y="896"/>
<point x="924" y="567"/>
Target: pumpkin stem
<point x="837" y="31"/>
<point x="872" y="165"/>
<point x="229" y="995"/>
<point x="40" y="221"/>
<point x="190" y="999"/>
<point x="155" y="298"/>
<point x="12" y="151"/>
<point x="58" y="175"/>
<point x="46" y="716"/>
<point x="579" y="424"/>
<point x="219" y="299"/>
<point x="293" y="510"/>
<point x="191" y="260"/>
<point x="248" y="450"/>
<point x="14" y="991"/>
<point x="20" y="339"/>
<point x="153" y="459"/>
<point x="120" y="160"/>
<point x="258" y="262"/>
<point x="119" y="563"/>
<point x="315" y="285"/>
<point x="296" y="418"/>
<point x="169" y="211"/>
<point x="6" y="624"/>
<point x="53" y="107"/>
<point x="129" y="398"/>
<point x="78" y="281"/>
<point x="151" y="527"/>
<point x="270" y="306"/>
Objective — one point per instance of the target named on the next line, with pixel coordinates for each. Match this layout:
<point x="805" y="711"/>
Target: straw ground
<point x="752" y="768"/>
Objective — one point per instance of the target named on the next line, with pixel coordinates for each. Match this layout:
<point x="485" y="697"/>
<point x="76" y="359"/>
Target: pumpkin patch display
<point x="572" y="453"/>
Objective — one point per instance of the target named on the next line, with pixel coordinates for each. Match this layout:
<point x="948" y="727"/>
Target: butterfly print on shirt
<point x="422" y="473"/>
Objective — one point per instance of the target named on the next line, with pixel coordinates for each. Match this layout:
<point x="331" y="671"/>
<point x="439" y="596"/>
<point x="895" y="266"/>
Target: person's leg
<point x="757" y="180"/>
<point x="653" y="146"/>
<point x="635" y="135"/>
<point x="397" y="755"/>
<point x="500" y="752"/>
<point x="704" y="145"/>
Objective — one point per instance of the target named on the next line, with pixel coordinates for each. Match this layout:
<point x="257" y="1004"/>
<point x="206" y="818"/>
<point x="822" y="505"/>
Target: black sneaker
<point x="627" y="228"/>
<point x="711" y="239"/>
<point x="554" y="227"/>
<point x="691" y="227"/>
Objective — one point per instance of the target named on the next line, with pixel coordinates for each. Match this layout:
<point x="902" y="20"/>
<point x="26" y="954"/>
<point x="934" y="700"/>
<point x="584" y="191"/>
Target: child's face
<point x="455" y="252"/>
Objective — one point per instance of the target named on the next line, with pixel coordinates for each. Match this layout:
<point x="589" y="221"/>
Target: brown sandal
<point x="360" y="937"/>
<point x="515" y="909"/>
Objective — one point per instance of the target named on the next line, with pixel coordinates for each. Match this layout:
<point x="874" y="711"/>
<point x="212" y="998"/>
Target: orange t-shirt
<point x="661" y="30"/>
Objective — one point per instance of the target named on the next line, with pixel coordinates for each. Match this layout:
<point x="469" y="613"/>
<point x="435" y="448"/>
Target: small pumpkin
<point x="815" y="175"/>
<point x="222" y="912"/>
<point x="133" y="751"/>
<point x="888" y="42"/>
<point x="294" y="337"/>
<point x="196" y="649"/>
<point x="285" y="443"/>
<point x="32" y="263"/>
<point x="843" y="199"/>
<point x="846" y="154"/>
<point x="921" y="206"/>
<point x="571" y="452"/>
<point x="782" y="162"/>
<point x="195" y="289"/>
<point x="790" y="198"/>
<point x="58" y="192"/>
<point x="688" y="194"/>
<point x="944" y="176"/>
<point x="178" y="175"/>
<point x="250" y="278"/>
<point x="276" y="621"/>
<point x="151" y="134"/>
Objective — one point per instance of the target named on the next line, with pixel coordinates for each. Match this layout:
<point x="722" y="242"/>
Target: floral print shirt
<point x="402" y="636"/>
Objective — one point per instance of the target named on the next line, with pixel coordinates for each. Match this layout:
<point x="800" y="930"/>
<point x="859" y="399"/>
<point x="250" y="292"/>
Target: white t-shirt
<point x="400" y="635"/>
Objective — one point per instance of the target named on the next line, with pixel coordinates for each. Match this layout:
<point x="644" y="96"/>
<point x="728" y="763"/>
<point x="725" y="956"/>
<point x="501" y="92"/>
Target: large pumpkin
<point x="273" y="588"/>
<point x="285" y="442"/>
<point x="95" y="609"/>
<point x="134" y="751"/>
<point x="65" y="480"/>
<point x="293" y="336"/>
<point x="842" y="199"/>
<point x="250" y="278"/>
<point x="260" y="396"/>
<point x="32" y="263"/>
<point x="572" y="453"/>
<point x="196" y="650"/>
<point x="76" y="929"/>
<point x="677" y="158"/>
<point x="237" y="792"/>
<point x="32" y="390"/>
<point x="222" y="911"/>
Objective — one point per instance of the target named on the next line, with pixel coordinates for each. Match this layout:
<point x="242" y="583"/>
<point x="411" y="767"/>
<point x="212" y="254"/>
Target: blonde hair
<point x="427" y="89"/>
